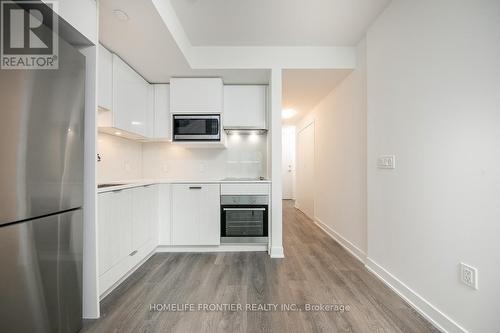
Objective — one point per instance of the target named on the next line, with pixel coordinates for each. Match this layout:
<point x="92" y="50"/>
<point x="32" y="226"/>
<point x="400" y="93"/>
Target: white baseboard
<point x="426" y="309"/>
<point x="350" y="247"/>
<point x="216" y="248"/>
<point x="277" y="252"/>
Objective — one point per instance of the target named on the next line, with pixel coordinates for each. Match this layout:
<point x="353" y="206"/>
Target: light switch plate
<point x="386" y="162"/>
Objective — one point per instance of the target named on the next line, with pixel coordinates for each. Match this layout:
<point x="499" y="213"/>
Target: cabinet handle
<point x="195" y="187"/>
<point x="133" y="253"/>
<point x="117" y="191"/>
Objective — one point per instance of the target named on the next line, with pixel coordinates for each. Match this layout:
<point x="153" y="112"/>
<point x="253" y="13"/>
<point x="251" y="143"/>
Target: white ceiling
<point x="303" y="89"/>
<point x="146" y="45"/>
<point x="277" y="22"/>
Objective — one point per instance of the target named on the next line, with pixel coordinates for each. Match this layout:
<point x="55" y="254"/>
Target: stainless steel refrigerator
<point x="41" y="196"/>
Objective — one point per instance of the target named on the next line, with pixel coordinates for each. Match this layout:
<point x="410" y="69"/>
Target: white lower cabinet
<point x="195" y="214"/>
<point x="145" y="214"/>
<point x="164" y="215"/>
<point x="132" y="222"/>
<point x="115" y="228"/>
<point x="127" y="221"/>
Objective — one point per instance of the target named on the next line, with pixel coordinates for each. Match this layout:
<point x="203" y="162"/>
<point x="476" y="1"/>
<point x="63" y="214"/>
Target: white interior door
<point x="288" y="162"/>
<point x="305" y="171"/>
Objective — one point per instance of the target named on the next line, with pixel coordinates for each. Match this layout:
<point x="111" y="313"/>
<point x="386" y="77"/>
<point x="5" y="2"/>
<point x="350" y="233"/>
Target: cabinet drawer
<point x="245" y="189"/>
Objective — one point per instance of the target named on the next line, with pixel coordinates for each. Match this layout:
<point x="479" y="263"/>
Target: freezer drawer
<point x="41" y="274"/>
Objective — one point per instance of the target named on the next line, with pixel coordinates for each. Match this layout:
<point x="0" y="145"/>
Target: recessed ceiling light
<point x="121" y="15"/>
<point x="288" y="113"/>
<point x="118" y="133"/>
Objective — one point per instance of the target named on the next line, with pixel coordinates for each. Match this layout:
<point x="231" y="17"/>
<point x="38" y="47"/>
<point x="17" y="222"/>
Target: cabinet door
<point x="162" y="117"/>
<point x="185" y="214"/>
<point x="105" y="79"/>
<point x="209" y="219"/>
<point x="164" y="216"/>
<point x="130" y="99"/>
<point x="121" y="210"/>
<point x="195" y="214"/>
<point x="145" y="214"/>
<point x="245" y="106"/>
<point x="105" y="231"/>
<point x="115" y="228"/>
<point x="196" y="95"/>
<point x="150" y="111"/>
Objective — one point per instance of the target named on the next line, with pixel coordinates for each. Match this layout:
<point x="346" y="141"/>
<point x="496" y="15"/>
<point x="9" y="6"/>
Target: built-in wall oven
<point x="244" y="218"/>
<point x="196" y="127"/>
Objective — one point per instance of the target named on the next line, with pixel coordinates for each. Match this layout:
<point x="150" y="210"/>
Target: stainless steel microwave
<point x="196" y="127"/>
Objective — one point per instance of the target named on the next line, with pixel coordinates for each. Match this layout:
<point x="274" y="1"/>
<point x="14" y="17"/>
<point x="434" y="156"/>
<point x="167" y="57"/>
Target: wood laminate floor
<point x="316" y="270"/>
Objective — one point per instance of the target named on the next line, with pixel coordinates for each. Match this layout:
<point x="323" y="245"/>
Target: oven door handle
<point x="260" y="209"/>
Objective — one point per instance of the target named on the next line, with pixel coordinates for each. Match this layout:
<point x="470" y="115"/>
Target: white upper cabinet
<point x="162" y="116"/>
<point x="196" y="95"/>
<point x="105" y="79"/>
<point x="245" y="107"/>
<point x="131" y="98"/>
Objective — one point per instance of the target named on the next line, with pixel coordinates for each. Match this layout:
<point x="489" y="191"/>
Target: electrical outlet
<point x="386" y="162"/>
<point x="164" y="167"/>
<point x="468" y="276"/>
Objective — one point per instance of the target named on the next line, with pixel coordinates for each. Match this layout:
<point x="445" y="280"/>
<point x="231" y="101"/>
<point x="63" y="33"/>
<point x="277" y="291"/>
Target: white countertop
<point x="145" y="182"/>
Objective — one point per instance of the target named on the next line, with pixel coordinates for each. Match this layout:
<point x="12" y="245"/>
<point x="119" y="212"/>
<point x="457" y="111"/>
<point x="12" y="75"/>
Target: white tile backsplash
<point x="122" y="159"/>
<point x="245" y="156"/>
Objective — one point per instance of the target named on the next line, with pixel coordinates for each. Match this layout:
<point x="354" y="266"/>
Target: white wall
<point x="81" y="14"/>
<point x="90" y="282"/>
<point x="306" y="174"/>
<point x="340" y="158"/>
<point x="434" y="101"/>
<point x="121" y="159"/>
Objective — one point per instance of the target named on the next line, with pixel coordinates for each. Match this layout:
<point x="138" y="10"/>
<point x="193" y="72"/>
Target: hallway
<point x="316" y="270"/>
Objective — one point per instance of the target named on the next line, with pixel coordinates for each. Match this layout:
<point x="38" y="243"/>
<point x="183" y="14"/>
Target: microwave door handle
<point x="246" y="209"/>
<point x="196" y="117"/>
